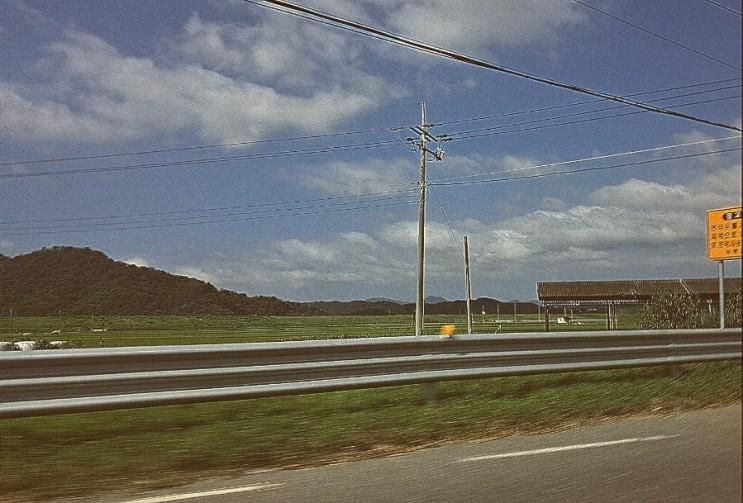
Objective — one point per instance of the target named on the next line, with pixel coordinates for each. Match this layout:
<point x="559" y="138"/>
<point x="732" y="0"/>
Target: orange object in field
<point x="447" y="330"/>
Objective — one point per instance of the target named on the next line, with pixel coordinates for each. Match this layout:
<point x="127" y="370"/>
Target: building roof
<point x="628" y="291"/>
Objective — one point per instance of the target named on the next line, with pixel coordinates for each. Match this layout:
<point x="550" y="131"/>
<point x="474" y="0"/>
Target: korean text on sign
<point x="724" y="236"/>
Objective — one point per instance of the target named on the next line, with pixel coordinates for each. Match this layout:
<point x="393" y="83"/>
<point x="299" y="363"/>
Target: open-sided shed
<point x="554" y="294"/>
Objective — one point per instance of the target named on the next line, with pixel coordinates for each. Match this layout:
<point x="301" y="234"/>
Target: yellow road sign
<point x="724" y="233"/>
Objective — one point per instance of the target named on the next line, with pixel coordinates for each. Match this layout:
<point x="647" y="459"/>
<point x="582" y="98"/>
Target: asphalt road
<point x="694" y="456"/>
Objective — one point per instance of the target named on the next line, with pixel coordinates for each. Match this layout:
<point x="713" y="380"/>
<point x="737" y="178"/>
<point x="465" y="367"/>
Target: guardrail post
<point x="674" y="370"/>
<point x="429" y="393"/>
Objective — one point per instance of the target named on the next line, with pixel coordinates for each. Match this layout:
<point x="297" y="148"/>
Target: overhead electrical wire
<point x="617" y="107"/>
<point x="462" y="58"/>
<point x="724" y="7"/>
<point x="492" y="131"/>
<point x="654" y="34"/>
<point x="578" y="103"/>
<point x="594" y="168"/>
<point x="242" y="143"/>
<point x="208" y="160"/>
<point x="348" y="195"/>
<point x="456" y="136"/>
<point x="446" y="219"/>
<point x="395" y="129"/>
<point x="263" y="211"/>
<point x="589" y="169"/>
<point x="268" y="210"/>
<point x="288" y="214"/>
<point x="357" y="208"/>
<point x="441" y="181"/>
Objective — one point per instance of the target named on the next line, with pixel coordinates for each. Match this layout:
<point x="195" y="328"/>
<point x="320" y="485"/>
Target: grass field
<point x="165" y="330"/>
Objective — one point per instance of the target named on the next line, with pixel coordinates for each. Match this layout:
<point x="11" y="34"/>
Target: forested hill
<point x="83" y="281"/>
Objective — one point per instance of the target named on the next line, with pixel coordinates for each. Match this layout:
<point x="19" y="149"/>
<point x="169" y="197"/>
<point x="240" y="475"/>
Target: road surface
<point x="693" y="456"/>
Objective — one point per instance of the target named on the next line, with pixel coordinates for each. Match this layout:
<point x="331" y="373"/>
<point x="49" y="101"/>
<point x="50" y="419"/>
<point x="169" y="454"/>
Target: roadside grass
<point x="89" y="454"/>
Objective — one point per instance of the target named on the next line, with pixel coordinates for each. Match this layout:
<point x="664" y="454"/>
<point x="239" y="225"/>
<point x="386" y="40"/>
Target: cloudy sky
<point x="269" y="154"/>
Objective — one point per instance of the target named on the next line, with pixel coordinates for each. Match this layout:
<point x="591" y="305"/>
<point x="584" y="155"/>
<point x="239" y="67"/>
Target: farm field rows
<point x="119" y="331"/>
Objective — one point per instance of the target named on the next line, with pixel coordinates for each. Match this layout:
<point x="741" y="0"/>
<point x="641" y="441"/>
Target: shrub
<point x="673" y="310"/>
<point x="734" y="310"/>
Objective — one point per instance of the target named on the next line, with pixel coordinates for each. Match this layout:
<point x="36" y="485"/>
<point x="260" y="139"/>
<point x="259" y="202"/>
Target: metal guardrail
<point x="36" y="383"/>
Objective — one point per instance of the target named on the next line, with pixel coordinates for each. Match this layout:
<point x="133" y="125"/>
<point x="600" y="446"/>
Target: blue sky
<point x="316" y="199"/>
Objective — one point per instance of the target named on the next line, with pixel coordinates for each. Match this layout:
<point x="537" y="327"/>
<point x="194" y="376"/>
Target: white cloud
<point x="278" y="52"/>
<point x="41" y="119"/>
<point x="472" y="25"/>
<point x="138" y="261"/>
<point x="6" y="247"/>
<point x="553" y="203"/>
<point x="296" y="265"/>
<point x="468" y="25"/>
<point x="476" y="166"/>
<point x="709" y="191"/>
<point x="96" y="94"/>
<point x="196" y="273"/>
<point x="634" y="229"/>
<point x="364" y="177"/>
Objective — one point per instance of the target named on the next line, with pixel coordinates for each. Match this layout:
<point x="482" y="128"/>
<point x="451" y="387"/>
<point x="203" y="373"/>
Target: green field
<point x="165" y="330"/>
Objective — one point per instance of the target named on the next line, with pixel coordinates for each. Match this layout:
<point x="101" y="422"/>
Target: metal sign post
<point x="721" y="271"/>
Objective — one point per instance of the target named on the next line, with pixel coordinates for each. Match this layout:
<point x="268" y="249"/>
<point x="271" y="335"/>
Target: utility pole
<point x="438" y="154"/>
<point x="468" y="284"/>
<point x="419" y="298"/>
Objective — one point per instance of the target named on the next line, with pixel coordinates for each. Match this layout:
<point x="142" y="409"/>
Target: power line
<point x="654" y="34"/>
<point x="394" y="129"/>
<point x="201" y="217"/>
<point x="492" y="131"/>
<point x="617" y="107"/>
<point x="592" y="158"/>
<point x="579" y="103"/>
<point x="182" y="149"/>
<point x="724" y="7"/>
<point x="457" y="136"/>
<point x="216" y="209"/>
<point x="208" y="160"/>
<point x="205" y="222"/>
<point x="594" y="168"/>
<point x="208" y="212"/>
<point x="462" y="58"/>
<point x="446" y="219"/>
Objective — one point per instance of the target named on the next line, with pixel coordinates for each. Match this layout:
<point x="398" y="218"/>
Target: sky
<point x="270" y="154"/>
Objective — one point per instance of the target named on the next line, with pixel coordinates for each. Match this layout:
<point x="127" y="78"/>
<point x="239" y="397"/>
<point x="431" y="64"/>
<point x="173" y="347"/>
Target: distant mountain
<point x="83" y="281"/>
<point x="384" y="299"/>
<point x="360" y="307"/>
<point x="484" y="304"/>
<point x="432" y="299"/>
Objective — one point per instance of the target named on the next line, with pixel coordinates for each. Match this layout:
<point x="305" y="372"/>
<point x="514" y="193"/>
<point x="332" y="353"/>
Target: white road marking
<point x="216" y="492"/>
<point x="569" y="448"/>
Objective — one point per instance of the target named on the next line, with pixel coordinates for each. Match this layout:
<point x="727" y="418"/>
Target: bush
<point x="734" y="310"/>
<point x="680" y="310"/>
<point x="674" y="310"/>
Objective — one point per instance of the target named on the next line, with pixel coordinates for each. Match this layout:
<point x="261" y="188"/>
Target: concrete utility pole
<point x="419" y="298"/>
<point x="468" y="284"/>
